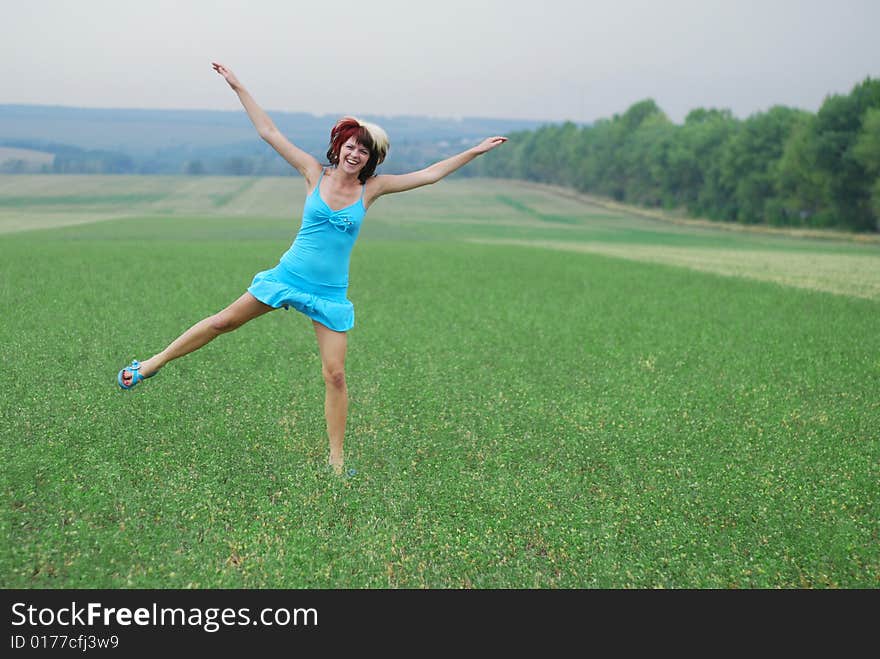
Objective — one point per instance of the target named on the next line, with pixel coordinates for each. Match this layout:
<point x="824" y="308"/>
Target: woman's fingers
<point x="492" y="142"/>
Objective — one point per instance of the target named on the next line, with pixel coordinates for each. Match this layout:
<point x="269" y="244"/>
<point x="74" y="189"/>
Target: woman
<point x="312" y="276"/>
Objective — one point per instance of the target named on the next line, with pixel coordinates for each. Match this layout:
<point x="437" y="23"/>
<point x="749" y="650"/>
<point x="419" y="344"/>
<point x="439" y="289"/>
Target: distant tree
<point x="867" y="151"/>
<point x="748" y="162"/>
<point x="694" y="158"/>
<point x="645" y="156"/>
<point x="194" y="168"/>
<point x="620" y="173"/>
<point x="527" y="164"/>
<point x="837" y="130"/>
<point x="605" y="169"/>
<point x="237" y="166"/>
<point x="13" y="166"/>
<point x="637" y="113"/>
<point x="593" y="146"/>
<point x="547" y="153"/>
<point x="803" y="188"/>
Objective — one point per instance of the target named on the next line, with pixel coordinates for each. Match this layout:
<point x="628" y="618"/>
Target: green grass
<point x="75" y="200"/>
<point x="520" y="417"/>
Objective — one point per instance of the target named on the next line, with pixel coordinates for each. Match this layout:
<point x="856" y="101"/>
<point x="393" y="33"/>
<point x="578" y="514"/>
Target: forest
<point x="782" y="167"/>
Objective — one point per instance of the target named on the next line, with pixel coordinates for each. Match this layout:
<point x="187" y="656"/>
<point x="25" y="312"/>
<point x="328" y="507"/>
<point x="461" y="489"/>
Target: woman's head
<point x="357" y="145"/>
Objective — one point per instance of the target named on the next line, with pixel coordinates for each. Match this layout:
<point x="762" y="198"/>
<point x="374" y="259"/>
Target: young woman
<point x="312" y="276"/>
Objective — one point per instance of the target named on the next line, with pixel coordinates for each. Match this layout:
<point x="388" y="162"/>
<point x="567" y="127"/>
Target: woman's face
<point x="353" y="156"/>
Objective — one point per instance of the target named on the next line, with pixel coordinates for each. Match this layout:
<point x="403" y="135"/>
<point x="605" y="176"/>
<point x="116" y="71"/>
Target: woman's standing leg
<point x="332" y="345"/>
<point x="245" y="308"/>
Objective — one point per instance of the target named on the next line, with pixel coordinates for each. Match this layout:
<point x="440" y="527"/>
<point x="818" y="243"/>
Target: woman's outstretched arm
<point x="389" y="183"/>
<point x="305" y="163"/>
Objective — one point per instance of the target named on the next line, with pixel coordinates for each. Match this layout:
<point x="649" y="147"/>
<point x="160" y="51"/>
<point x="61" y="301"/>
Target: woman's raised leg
<point x="332" y="345"/>
<point x="245" y="308"/>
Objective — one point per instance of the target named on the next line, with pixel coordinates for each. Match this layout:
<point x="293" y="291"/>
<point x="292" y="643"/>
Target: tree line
<point x="783" y="167"/>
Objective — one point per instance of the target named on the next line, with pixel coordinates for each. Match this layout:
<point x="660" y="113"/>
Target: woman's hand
<point x="488" y="144"/>
<point x="228" y="75"/>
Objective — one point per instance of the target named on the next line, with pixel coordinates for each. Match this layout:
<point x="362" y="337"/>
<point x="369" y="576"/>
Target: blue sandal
<point x="346" y="472"/>
<point x="134" y="369"/>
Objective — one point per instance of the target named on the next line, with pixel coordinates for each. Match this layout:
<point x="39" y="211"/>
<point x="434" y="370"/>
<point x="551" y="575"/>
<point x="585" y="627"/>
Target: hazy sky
<point x="535" y="59"/>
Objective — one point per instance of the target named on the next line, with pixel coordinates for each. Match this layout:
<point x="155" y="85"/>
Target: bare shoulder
<point x="378" y="183"/>
<point x="311" y="173"/>
<point x="374" y="188"/>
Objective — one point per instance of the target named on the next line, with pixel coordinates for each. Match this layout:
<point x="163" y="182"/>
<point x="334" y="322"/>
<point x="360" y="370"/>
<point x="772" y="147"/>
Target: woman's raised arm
<point x="390" y="183"/>
<point x="305" y="163"/>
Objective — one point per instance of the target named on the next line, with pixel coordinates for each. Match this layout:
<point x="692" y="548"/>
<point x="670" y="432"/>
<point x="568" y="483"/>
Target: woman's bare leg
<point x="332" y="346"/>
<point x="245" y="308"/>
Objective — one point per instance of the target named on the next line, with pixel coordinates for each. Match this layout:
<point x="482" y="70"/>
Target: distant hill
<point x="209" y="141"/>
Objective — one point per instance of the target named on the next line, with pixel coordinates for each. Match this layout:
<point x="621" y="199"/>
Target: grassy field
<point x="545" y="393"/>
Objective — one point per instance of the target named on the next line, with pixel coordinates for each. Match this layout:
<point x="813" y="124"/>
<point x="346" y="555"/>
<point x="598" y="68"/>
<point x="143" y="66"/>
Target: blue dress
<point x="312" y="276"/>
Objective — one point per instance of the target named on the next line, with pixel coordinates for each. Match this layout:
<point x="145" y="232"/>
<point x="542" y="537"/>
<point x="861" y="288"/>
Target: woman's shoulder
<point x="377" y="181"/>
<point x="373" y="189"/>
<point x="313" y="176"/>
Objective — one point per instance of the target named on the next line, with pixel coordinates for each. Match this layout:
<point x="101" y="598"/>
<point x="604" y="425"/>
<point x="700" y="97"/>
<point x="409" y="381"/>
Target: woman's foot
<point x="339" y="469"/>
<point x="146" y="369"/>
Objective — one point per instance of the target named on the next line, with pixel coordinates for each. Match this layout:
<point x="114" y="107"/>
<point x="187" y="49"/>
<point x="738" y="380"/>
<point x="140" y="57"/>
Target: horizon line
<point x="454" y="118"/>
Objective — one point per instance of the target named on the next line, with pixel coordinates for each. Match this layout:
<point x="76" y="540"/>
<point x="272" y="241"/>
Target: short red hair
<point x="349" y="127"/>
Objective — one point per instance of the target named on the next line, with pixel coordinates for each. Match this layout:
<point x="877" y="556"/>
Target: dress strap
<point x="317" y="189"/>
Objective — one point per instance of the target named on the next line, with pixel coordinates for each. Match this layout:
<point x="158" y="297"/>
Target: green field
<point x="545" y="394"/>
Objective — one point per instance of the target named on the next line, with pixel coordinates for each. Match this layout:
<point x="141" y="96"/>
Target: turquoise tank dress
<point x="312" y="276"/>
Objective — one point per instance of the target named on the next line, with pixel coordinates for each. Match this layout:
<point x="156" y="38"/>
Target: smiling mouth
<point x="351" y="162"/>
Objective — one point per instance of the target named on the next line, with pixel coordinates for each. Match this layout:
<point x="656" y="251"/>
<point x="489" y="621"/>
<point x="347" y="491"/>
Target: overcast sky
<point x="535" y="59"/>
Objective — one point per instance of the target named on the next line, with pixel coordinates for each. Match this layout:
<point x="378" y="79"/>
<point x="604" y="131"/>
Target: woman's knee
<point x="224" y="322"/>
<point x="246" y="308"/>
<point x="334" y="376"/>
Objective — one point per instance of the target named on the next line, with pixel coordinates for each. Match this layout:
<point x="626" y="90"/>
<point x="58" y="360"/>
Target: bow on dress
<point x="340" y="221"/>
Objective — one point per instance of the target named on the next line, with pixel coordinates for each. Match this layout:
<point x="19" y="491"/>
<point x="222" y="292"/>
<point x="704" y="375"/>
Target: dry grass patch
<point x="857" y="275"/>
